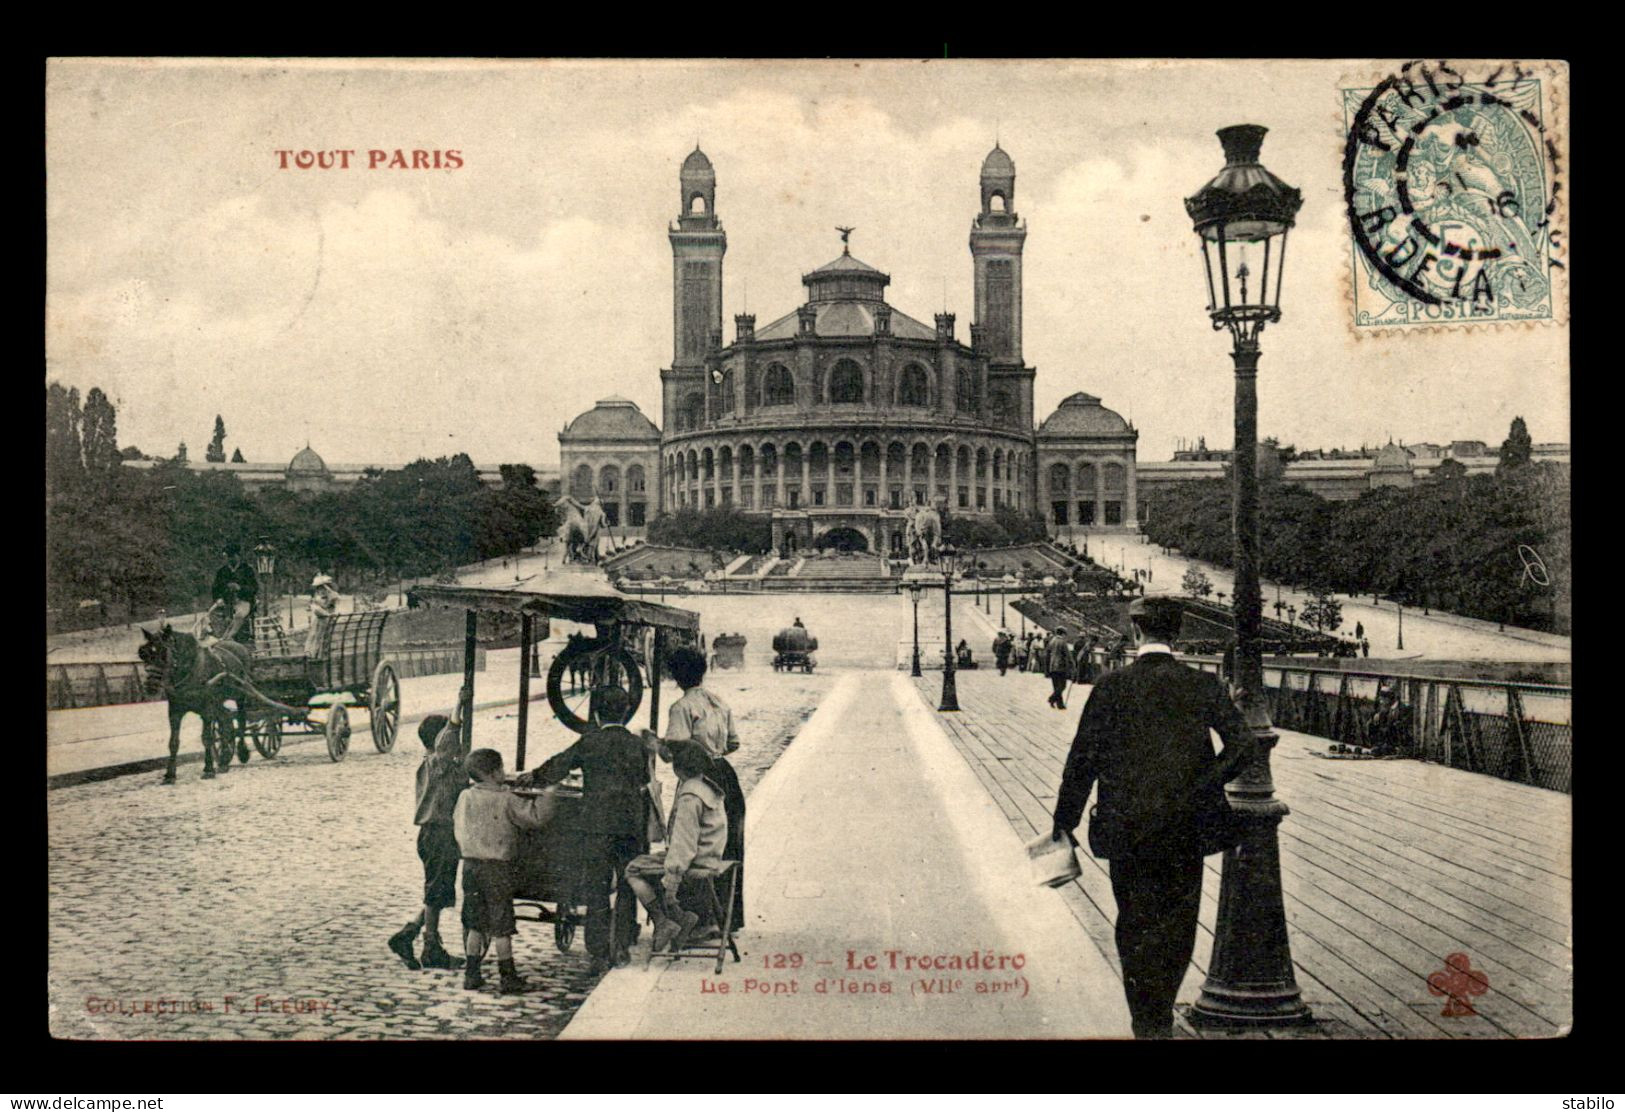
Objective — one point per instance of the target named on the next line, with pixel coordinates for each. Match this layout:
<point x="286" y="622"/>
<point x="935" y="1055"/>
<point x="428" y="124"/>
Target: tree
<point x="1516" y="449"/>
<point x="64" y="454"/>
<point x="216" y="451"/>
<point x="1449" y="471"/>
<point x="130" y="451"/>
<point x="1196" y="583"/>
<point x="237" y="456"/>
<point x="100" y="434"/>
<point x="1323" y="611"/>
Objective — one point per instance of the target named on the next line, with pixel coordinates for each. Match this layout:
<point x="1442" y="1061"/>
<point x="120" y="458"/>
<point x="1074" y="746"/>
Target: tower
<point x="996" y="239"/>
<point x="697" y="246"/>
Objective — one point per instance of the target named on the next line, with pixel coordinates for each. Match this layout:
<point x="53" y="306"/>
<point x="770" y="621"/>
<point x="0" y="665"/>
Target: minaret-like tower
<point x="697" y="246"/>
<point x="996" y="240"/>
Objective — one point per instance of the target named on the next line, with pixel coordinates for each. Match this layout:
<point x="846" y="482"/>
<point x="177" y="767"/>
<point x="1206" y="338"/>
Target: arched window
<point x="970" y="390"/>
<point x="846" y="383"/>
<point x="1000" y="404"/>
<point x="609" y="480"/>
<point x="778" y="387"/>
<point x="692" y="415"/>
<point x="581" y="483"/>
<point x="753" y="388"/>
<point x="696" y="204"/>
<point x="915" y="387"/>
<point x="1060" y="478"/>
<point x="727" y="391"/>
<point x="634" y="479"/>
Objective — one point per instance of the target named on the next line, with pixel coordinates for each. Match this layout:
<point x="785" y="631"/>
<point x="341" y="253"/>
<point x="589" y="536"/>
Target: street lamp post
<point x="950" y="689"/>
<point x="914" y="591"/>
<point x="1242" y="218"/>
<point x="265" y="569"/>
<point x="1400" y="603"/>
<point x="1004" y="585"/>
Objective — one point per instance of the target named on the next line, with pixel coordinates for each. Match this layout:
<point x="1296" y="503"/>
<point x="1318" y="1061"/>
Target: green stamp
<point x="1453" y="195"/>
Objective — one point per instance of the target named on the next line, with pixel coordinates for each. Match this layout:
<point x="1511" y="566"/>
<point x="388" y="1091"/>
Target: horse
<point x="186" y="673"/>
<point x="924" y="534"/>
<point x="579" y="530"/>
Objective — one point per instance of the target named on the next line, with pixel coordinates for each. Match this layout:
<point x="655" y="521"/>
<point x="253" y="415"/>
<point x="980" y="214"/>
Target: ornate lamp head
<point x="1242" y="218"/>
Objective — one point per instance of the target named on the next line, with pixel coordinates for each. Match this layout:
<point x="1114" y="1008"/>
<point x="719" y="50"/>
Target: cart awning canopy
<point x="570" y="598"/>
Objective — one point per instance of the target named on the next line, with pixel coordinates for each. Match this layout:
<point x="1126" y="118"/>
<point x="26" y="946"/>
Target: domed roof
<point x="697" y="164"/>
<point x="1083" y="415"/>
<point x="1392" y="457"/>
<point x="998" y="164"/>
<point x="612" y="418"/>
<point x="307" y="461"/>
<point x="847" y="264"/>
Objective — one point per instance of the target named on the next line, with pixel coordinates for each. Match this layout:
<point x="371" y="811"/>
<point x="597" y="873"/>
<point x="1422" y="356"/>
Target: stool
<point x="722" y="912"/>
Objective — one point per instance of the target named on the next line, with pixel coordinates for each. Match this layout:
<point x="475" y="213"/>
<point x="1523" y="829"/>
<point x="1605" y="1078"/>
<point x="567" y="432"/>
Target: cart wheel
<point x="386" y="707"/>
<point x="564" y="932"/>
<point x="597" y="657"/>
<point x="338" y="731"/>
<point x="267" y="736"/>
<point x="225" y="746"/>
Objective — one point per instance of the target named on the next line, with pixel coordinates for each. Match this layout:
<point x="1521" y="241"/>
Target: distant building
<point x="612" y="452"/>
<point x="308" y="473"/>
<point x="1469" y="449"/>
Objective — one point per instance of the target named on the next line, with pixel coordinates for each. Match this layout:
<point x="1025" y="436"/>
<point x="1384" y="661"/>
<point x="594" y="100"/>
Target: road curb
<point x="192" y="756"/>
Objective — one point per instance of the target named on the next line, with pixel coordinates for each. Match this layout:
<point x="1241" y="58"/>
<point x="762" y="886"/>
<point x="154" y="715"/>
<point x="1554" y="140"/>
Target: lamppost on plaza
<point x="1400" y="603"/>
<point x="914" y="592"/>
<point x="1241" y="218"/>
<point x="950" y="690"/>
<point x="265" y="568"/>
<point x="1004" y="585"/>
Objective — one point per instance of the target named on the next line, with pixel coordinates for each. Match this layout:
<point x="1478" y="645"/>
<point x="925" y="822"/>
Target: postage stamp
<point x="1452" y="174"/>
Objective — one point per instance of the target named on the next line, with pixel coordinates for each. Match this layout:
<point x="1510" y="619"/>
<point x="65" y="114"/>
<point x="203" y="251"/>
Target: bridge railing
<point x="1516" y="731"/>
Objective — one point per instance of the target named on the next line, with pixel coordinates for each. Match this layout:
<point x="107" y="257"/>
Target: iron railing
<point x="1515" y="731"/>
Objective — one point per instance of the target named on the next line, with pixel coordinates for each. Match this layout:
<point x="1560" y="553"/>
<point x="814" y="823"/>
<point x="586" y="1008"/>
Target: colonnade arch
<point x="861" y="471"/>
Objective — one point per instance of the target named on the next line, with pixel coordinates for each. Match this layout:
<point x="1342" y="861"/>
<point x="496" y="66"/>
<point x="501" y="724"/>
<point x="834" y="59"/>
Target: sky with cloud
<point x="388" y="314"/>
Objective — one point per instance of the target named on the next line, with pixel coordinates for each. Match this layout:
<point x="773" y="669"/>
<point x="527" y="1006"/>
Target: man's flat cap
<point x="1156" y="607"/>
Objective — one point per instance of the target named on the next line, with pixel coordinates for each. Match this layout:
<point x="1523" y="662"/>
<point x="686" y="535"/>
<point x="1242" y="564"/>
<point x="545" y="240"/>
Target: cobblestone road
<point x="255" y="906"/>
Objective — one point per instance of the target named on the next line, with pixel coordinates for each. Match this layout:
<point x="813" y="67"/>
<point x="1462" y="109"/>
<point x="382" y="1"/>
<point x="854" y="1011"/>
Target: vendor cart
<point x="631" y="638"/>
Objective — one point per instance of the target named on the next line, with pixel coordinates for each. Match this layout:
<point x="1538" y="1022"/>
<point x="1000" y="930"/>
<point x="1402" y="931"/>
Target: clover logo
<point x="1459" y="981"/>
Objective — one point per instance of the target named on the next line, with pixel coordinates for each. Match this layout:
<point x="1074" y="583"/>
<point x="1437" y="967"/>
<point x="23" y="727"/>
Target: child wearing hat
<point x="696" y="837"/>
<point x="324" y="605"/>
<point x="441" y="779"/>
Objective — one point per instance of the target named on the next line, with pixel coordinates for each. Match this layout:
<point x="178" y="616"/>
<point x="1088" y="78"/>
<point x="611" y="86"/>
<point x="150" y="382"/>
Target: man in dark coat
<point x="1058" y="665"/>
<point x="1144" y="737"/>
<point x="615" y="772"/>
<point x="236" y="582"/>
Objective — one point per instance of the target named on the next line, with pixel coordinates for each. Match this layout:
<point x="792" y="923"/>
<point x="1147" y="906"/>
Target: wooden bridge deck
<point x="1388" y="867"/>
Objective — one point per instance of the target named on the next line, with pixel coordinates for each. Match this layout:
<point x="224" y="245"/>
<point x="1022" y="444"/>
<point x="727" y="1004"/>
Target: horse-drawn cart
<point x="317" y="692"/>
<point x="793" y="649"/>
<point x="631" y="638"/>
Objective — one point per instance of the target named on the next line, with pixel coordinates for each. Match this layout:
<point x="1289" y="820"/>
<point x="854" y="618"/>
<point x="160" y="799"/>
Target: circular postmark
<point x="1452" y="184"/>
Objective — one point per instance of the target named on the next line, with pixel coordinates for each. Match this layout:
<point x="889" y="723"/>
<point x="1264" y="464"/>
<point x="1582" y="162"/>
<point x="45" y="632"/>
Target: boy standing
<point x="696" y="836"/>
<point x="488" y="819"/>
<point x="441" y="779"/>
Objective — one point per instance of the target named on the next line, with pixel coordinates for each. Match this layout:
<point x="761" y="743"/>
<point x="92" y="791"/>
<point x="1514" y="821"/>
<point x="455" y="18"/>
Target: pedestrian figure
<point x="1002" y="645"/>
<point x="1359" y="631"/>
<point x="324" y="607"/>
<point x="1059" y="667"/>
<point x="1143" y="736"/>
<point x="440" y="781"/>
<point x="488" y="819"/>
<point x="1365" y="647"/>
<point x="614" y="765"/>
